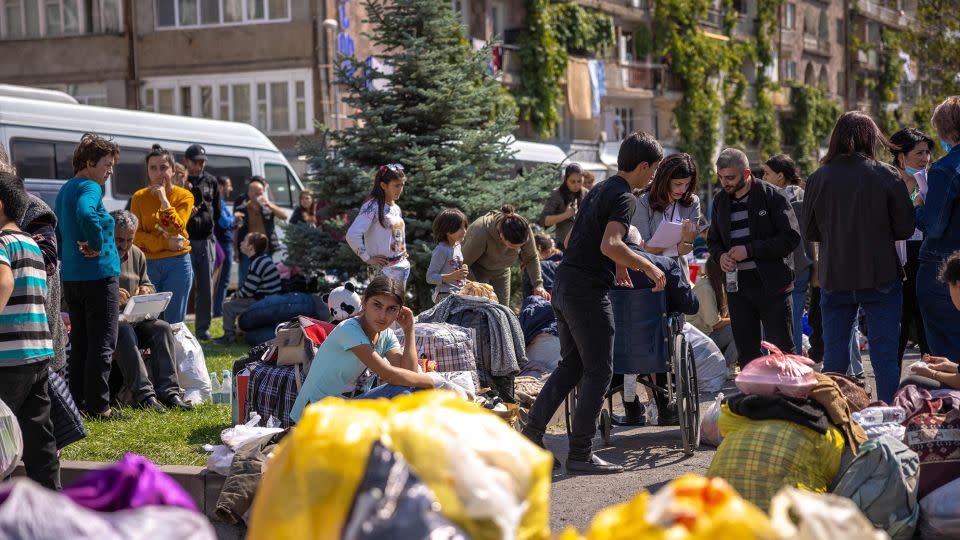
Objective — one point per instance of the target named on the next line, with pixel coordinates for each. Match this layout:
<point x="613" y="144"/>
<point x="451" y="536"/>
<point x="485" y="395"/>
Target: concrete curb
<point x="200" y="483"/>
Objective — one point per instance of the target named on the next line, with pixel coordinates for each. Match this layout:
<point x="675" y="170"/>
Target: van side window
<point x="283" y="188"/>
<point x="34" y="159"/>
<point x="130" y="173"/>
<point x="237" y="168"/>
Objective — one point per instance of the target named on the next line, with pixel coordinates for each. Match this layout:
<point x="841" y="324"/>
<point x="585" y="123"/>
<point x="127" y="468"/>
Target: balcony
<point x="816" y="45"/>
<point x="868" y="59"/>
<point x="623" y="10"/>
<point x="883" y="14"/>
<point x="713" y="19"/>
<point x="630" y="78"/>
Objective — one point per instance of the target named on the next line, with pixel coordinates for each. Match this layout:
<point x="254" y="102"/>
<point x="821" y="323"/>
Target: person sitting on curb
<point x="936" y="371"/>
<point x="153" y="334"/>
<point x="263" y="279"/>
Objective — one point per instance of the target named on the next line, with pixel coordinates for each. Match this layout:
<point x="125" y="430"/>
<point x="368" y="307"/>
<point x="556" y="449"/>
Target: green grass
<point x="174" y="438"/>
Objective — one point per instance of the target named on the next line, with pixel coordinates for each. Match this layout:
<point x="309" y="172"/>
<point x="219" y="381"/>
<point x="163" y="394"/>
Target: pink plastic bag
<point x="777" y="373"/>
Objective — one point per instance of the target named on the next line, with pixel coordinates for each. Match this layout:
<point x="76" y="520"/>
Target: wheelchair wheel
<point x="606" y="426"/>
<point x="688" y="396"/>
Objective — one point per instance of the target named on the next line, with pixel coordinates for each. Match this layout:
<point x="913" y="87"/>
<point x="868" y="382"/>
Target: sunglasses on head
<point x="392" y="167"/>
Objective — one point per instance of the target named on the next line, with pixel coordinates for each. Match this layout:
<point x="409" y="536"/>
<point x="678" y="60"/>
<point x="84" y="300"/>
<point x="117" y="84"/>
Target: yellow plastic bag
<point x="758" y="457"/>
<point x="488" y="478"/>
<point x="691" y="507"/>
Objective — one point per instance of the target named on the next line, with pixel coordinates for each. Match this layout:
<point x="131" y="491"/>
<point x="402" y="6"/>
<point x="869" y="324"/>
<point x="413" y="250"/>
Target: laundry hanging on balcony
<point x="598" y="84"/>
<point x="578" y="89"/>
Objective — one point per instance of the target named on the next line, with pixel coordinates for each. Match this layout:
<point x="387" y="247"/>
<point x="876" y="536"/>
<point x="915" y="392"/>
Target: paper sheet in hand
<point x="921" y="178"/>
<point x="143" y="307"/>
<point x="667" y="235"/>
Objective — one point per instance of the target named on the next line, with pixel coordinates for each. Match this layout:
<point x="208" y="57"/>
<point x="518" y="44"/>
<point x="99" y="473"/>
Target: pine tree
<point x="437" y="110"/>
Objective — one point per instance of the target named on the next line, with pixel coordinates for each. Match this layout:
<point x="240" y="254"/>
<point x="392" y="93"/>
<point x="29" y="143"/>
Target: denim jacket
<point x="939" y="217"/>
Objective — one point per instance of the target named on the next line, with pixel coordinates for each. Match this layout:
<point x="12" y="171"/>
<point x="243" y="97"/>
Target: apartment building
<point x="871" y="21"/>
<point x="264" y="62"/>
<point x="812" y="43"/>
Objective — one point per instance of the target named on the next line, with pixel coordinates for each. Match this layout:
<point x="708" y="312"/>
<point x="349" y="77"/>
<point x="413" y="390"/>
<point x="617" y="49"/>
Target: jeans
<point x="941" y="320"/>
<point x="94" y="306"/>
<point x="175" y="275"/>
<point x="157" y="336"/>
<point x="202" y="254"/>
<point x="220" y="290"/>
<point x="799" y="299"/>
<point x="912" y="316"/>
<point x="386" y="391"/>
<point x="754" y="317"/>
<point x="881" y="306"/>
<point x="24" y="390"/>
<point x="586" y="329"/>
<point x="723" y="338"/>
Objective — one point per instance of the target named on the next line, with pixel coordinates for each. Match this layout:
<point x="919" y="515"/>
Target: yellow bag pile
<point x="691" y="507"/>
<point x="758" y="457"/>
<point x="487" y="478"/>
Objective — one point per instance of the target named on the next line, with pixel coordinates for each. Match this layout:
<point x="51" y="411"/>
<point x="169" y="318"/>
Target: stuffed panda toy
<point x="344" y="302"/>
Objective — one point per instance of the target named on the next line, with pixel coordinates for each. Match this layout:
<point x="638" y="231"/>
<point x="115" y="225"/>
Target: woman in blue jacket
<point x="90" y="266"/>
<point x="938" y="216"/>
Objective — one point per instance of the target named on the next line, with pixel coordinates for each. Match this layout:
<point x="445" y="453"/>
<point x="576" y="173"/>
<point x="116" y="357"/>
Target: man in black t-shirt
<point x="584" y="315"/>
<point x="206" y="210"/>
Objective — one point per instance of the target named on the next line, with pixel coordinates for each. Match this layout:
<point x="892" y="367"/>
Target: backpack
<point x="882" y="480"/>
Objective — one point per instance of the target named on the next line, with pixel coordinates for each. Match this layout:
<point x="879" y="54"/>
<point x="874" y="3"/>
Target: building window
<point x="498" y="14"/>
<point x="25" y="19"/>
<point x="276" y="102"/>
<point x="791" y="73"/>
<point x="191" y="13"/>
<point x="462" y="9"/>
<point x="790" y="17"/>
<point x="824" y="26"/>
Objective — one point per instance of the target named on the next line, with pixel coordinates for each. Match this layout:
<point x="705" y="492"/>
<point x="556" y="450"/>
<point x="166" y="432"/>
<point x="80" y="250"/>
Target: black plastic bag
<point x="392" y="502"/>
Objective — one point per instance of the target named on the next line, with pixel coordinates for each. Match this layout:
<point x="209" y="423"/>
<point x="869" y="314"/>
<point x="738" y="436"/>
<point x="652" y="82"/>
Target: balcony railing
<point x="815" y="44"/>
<point x="630" y="76"/>
<point x="869" y="58"/>
<point x="883" y="14"/>
<point x="713" y="18"/>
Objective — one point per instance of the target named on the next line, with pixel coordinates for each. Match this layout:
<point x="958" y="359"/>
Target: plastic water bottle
<point x="652" y="413"/>
<point x="733" y="283"/>
<point x="226" y="388"/>
<point x="874" y="416"/>
<point x="214" y="388"/>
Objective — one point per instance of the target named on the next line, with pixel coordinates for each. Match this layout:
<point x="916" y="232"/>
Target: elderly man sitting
<point x="155" y="335"/>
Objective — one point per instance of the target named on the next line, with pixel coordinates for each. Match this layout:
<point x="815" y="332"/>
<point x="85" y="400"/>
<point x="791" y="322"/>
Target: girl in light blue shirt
<point x="366" y="341"/>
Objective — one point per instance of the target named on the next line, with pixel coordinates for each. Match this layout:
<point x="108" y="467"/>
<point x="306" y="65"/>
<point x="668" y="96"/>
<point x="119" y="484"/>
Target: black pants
<point x="911" y="308"/>
<point x="585" y="324"/>
<point x="94" y="306"/>
<point x="815" y="320"/>
<point x="202" y="254"/>
<point x="754" y="317"/>
<point x="24" y="390"/>
<point x="157" y="336"/>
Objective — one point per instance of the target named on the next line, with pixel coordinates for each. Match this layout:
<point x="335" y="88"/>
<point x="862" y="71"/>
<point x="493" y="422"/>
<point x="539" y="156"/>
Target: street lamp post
<point x="332" y="25"/>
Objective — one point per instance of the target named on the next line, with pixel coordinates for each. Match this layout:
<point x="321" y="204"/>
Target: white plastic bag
<point x="220" y="460"/>
<point x="11" y="441"/>
<point x="940" y="513"/>
<point x="803" y="515"/>
<point x="191" y="366"/>
<point x="708" y="358"/>
<point x="237" y="436"/>
<point x="710" y="423"/>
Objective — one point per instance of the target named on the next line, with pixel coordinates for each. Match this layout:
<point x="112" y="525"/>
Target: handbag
<point x="68" y="425"/>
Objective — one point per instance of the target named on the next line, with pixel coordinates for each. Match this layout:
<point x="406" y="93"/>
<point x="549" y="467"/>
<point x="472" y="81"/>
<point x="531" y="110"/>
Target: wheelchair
<point x="650" y="341"/>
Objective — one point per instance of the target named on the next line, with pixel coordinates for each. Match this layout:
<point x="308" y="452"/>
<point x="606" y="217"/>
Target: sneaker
<point x="593" y="465"/>
<point x="203" y="336"/>
<point x="225" y="340"/>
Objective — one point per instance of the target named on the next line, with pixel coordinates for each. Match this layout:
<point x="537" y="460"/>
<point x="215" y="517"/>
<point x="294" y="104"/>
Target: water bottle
<point x="652" y="413"/>
<point x="214" y="388"/>
<point x="226" y="389"/>
<point x="873" y="416"/>
<point x="732" y="284"/>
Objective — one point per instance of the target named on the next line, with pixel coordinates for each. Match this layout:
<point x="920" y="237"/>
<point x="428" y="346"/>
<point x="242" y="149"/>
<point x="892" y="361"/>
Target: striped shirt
<point x="24" y="332"/>
<point x="263" y="279"/>
<point x="740" y="229"/>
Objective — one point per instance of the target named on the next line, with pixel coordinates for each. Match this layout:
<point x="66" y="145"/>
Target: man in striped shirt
<point x="753" y="232"/>
<point x="26" y="346"/>
<point x="263" y="279"/>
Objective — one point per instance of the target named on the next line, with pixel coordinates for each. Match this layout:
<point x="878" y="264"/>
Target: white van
<point x="40" y="135"/>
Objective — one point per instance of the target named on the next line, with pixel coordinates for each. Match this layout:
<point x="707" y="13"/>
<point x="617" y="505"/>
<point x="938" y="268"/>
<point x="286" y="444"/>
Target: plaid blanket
<point x="451" y="346"/>
<point x="758" y="457"/>
<point x="271" y="392"/>
<point x="936" y="439"/>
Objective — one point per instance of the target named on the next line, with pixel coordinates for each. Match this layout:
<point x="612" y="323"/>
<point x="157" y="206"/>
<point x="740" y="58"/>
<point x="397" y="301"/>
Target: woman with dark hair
<point x="561" y="207"/>
<point x="781" y="171"/>
<point x="90" y="270"/>
<point x="492" y="246"/>
<point x="856" y="207"/>
<point x="366" y="341"/>
<point x="671" y="198"/>
<point x="938" y="216"/>
<point x="911" y="156"/>
<point x="163" y="209"/>
<point x="306" y="211"/>
<point x="378" y="234"/>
